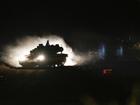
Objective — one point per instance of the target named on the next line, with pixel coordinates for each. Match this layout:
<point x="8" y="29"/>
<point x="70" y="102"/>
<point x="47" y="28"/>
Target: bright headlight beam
<point x="40" y="58"/>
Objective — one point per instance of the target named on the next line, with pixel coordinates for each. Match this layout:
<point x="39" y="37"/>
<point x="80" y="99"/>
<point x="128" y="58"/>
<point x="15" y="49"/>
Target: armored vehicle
<point x="45" y="56"/>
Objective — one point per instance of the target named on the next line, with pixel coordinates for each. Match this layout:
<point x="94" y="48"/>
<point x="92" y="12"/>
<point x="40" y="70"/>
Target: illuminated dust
<point x="21" y="48"/>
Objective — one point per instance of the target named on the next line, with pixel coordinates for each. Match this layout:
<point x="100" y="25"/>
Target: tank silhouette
<point x="45" y="56"/>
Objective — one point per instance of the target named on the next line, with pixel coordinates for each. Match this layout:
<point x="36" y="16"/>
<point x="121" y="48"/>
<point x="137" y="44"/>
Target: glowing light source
<point x="102" y="52"/>
<point x="40" y="58"/>
<point x="107" y="72"/>
<point x="120" y="51"/>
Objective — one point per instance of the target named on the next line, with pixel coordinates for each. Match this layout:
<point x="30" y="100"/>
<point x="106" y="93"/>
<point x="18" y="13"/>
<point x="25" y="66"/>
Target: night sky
<point x="78" y="22"/>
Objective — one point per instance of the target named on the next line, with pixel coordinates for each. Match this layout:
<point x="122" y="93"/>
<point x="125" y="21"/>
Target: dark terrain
<point x="69" y="86"/>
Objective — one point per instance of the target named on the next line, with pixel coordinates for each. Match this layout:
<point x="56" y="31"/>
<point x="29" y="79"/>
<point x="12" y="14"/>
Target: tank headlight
<point x="40" y="58"/>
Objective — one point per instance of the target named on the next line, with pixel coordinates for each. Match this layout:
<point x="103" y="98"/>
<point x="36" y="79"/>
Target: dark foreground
<point x="68" y="86"/>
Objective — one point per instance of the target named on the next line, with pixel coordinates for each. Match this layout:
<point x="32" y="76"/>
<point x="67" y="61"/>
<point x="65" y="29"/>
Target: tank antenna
<point x="47" y="42"/>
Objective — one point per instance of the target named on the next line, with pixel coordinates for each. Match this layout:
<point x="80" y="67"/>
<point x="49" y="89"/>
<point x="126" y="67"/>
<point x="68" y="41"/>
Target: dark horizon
<point x="81" y="21"/>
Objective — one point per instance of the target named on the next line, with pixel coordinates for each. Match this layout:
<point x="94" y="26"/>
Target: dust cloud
<point x="18" y="50"/>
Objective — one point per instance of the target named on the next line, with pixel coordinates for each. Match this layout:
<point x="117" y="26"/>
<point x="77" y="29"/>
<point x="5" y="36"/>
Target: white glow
<point x="18" y="52"/>
<point x="22" y="58"/>
<point x="40" y="58"/>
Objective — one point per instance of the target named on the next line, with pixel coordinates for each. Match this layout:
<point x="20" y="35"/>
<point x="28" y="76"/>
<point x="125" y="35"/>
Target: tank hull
<point x="52" y="61"/>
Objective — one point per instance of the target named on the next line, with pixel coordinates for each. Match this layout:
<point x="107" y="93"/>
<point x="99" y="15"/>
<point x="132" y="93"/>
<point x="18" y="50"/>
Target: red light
<point x="107" y="72"/>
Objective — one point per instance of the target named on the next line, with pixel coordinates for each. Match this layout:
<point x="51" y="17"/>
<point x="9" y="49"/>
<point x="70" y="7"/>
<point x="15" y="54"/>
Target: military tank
<point x="45" y="56"/>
